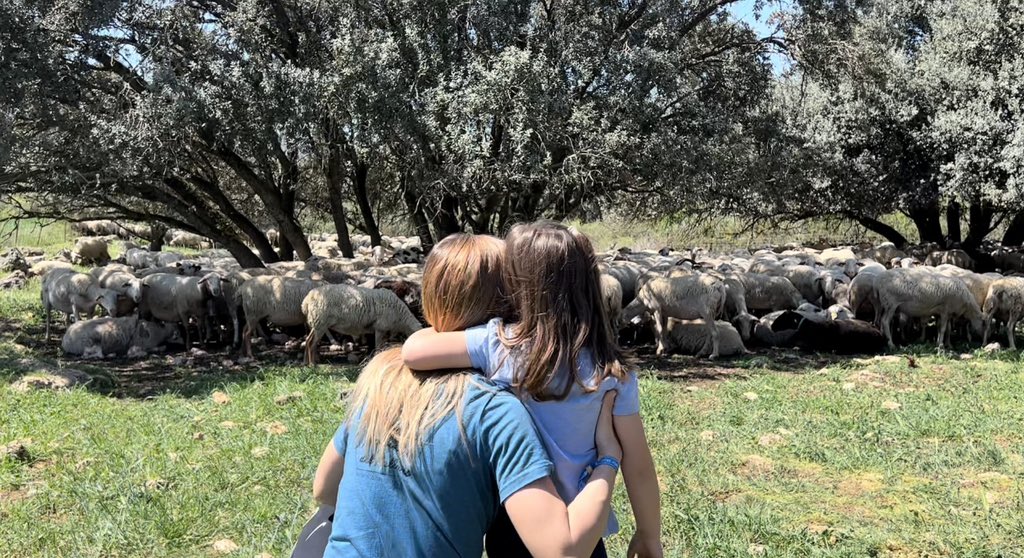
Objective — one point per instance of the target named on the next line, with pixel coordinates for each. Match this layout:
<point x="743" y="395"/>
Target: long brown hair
<point x="463" y="285"/>
<point x="555" y="288"/>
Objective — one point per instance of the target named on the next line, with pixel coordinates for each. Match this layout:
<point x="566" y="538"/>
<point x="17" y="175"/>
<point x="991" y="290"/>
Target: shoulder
<point x="490" y="403"/>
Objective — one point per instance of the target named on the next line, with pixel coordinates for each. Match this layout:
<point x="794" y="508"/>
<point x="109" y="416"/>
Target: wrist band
<point x="589" y="469"/>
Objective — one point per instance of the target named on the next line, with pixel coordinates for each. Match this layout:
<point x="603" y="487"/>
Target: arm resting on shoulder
<point x="432" y="350"/>
<point x="641" y="485"/>
<point x="548" y="528"/>
<point x="328" y="476"/>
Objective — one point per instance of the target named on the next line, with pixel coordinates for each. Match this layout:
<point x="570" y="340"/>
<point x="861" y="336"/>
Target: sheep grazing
<point x="90" y="251"/>
<point x="275" y="299"/>
<point x="691" y="337"/>
<point x="117" y="336"/>
<point x="765" y="293"/>
<point x="176" y="298"/>
<point x="845" y="337"/>
<point x="922" y="293"/>
<point x="687" y="298"/>
<point x="73" y="294"/>
<point x="409" y="292"/>
<point x="1005" y="301"/>
<point x="354" y="311"/>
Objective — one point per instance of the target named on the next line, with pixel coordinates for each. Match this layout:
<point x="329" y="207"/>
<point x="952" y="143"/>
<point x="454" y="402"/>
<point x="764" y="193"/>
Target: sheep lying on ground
<point x="41" y="268"/>
<point x="276" y="299"/>
<point x="354" y="311"/>
<point x="687" y="298"/>
<point x="117" y="336"/>
<point x="1005" y="301"/>
<point x="956" y="257"/>
<point x="690" y="337"/>
<point x="90" y="251"/>
<point x="843" y="337"/>
<point x="177" y="299"/>
<point x="73" y="294"/>
<point x="922" y="293"/>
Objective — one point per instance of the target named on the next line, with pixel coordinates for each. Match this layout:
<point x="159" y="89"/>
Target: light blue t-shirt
<point x="443" y="505"/>
<point x="567" y="426"/>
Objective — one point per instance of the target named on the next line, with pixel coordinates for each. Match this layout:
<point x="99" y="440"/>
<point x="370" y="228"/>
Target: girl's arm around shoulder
<point x="641" y="480"/>
<point x="428" y="349"/>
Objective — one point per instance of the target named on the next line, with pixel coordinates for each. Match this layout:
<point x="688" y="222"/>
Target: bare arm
<point x="328" y="476"/>
<point x="547" y="526"/>
<point x="428" y="349"/>
<point x="642" y="486"/>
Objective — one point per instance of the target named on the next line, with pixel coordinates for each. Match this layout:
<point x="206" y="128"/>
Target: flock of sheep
<point x="845" y="300"/>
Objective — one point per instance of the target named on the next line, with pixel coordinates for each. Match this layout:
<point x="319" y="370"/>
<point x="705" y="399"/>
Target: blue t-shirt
<point x="444" y="504"/>
<point x="567" y="426"/>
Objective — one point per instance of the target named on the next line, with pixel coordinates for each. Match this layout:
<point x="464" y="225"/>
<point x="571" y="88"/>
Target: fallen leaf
<point x="260" y="452"/>
<point x="199" y="436"/>
<point x="288" y="398"/>
<point x="750" y="396"/>
<point x="770" y="439"/>
<point x="276" y="428"/>
<point x="153" y="485"/>
<point x="224" y="546"/>
<point x="785" y="432"/>
<point x="849" y="386"/>
<point x="221" y="398"/>
<point x="708" y="435"/>
<point x="891" y="405"/>
<point x="756" y="549"/>
<point x="228" y="424"/>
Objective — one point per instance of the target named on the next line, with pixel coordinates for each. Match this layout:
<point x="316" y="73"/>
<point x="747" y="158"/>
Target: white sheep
<point x="90" y="250"/>
<point x="955" y="257"/>
<point x="177" y="298"/>
<point x="809" y="282"/>
<point x="691" y="337"/>
<point x="355" y="311"/>
<point x="43" y="267"/>
<point x="688" y="298"/>
<point x="611" y="296"/>
<point x="1005" y="300"/>
<point x="276" y="299"/>
<point x="922" y="293"/>
<point x="117" y="336"/>
<point x="73" y="294"/>
<point x="765" y="293"/>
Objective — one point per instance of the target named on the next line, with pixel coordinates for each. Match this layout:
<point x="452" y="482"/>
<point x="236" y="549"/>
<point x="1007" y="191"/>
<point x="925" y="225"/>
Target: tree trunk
<point x="953" y="222"/>
<point x="445" y="218"/>
<point x="928" y="222"/>
<point x="359" y="184"/>
<point x="1014" y="235"/>
<point x="880" y="228"/>
<point x="285" y="250"/>
<point x="979" y="224"/>
<point x="248" y="228"/>
<point x="419" y="218"/>
<point x="156" y="236"/>
<point x="335" y="178"/>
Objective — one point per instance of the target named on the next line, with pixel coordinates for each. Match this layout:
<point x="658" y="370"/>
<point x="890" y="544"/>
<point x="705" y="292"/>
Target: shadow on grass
<point x="177" y="372"/>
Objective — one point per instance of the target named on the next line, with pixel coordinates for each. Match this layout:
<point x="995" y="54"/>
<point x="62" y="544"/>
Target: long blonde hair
<point x="398" y="408"/>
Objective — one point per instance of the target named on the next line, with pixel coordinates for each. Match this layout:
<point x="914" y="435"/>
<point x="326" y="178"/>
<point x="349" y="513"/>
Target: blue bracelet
<point x="589" y="470"/>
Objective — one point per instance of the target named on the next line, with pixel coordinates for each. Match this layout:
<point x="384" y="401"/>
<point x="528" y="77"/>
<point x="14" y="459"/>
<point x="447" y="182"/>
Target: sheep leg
<point x="988" y="327"/>
<point x="312" y="346"/>
<point x="1011" y="330"/>
<point x="47" y="312"/>
<point x="943" y="324"/>
<point x="887" y="318"/>
<point x="659" y="332"/>
<point x="247" y="339"/>
<point x="714" y="337"/>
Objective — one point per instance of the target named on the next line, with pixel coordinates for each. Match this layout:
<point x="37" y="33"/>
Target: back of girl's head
<point x="463" y="285"/>
<point x="463" y="282"/>
<point x="555" y="289"/>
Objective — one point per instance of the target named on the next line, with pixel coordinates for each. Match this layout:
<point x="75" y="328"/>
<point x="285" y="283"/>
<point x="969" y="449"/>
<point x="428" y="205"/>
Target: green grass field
<point x="774" y="454"/>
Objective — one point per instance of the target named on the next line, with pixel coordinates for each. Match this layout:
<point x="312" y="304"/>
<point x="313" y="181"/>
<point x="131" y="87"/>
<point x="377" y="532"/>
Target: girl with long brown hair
<point x="423" y="462"/>
<point x="558" y="351"/>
